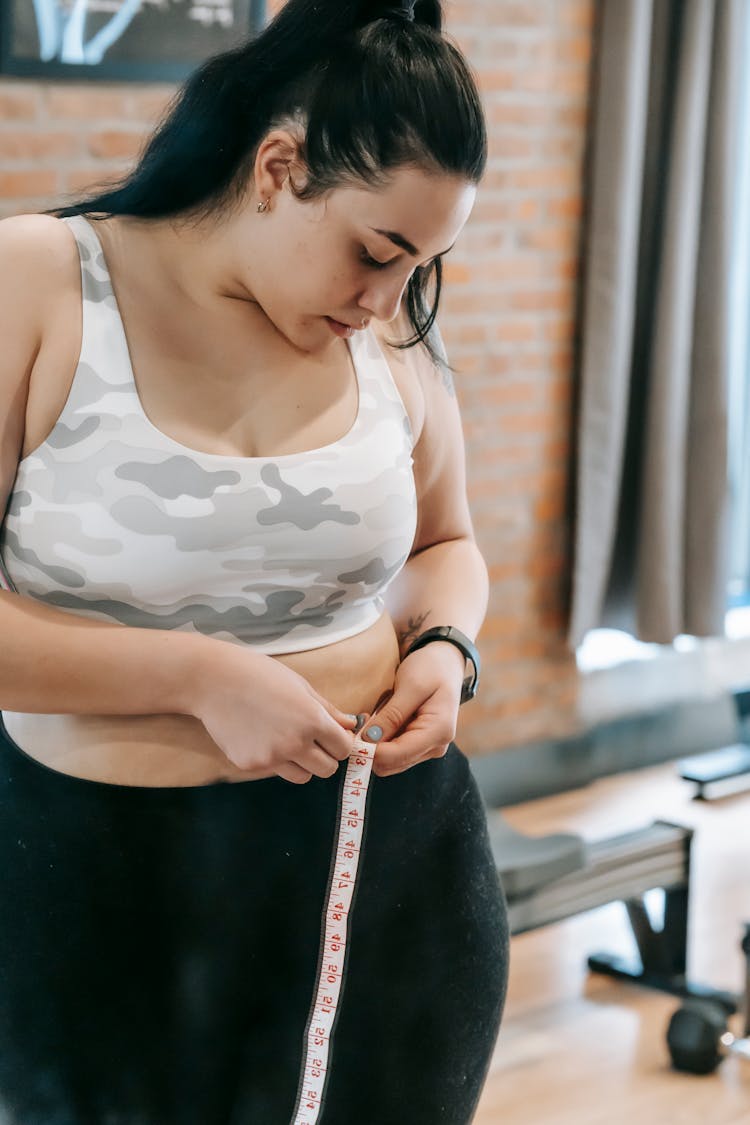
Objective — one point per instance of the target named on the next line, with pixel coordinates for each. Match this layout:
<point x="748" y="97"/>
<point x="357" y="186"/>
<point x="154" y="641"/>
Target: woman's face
<point x="347" y="258"/>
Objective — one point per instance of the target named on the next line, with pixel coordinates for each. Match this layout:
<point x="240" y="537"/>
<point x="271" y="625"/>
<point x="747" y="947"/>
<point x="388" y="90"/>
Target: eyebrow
<point x="404" y="244"/>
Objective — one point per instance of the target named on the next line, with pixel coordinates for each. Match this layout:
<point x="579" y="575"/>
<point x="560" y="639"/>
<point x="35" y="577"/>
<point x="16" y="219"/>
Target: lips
<point x="342" y="328"/>
<point x="345" y="324"/>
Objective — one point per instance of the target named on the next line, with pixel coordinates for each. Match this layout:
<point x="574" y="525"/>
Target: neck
<point x="193" y="260"/>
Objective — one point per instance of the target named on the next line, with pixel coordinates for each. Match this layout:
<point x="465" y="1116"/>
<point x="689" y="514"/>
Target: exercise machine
<point x="728" y="763"/>
<point x="549" y="878"/>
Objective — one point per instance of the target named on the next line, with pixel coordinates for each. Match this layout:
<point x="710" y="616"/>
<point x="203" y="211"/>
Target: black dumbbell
<point x="698" y="1037"/>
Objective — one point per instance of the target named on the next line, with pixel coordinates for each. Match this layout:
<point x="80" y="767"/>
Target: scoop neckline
<point x="186" y="449"/>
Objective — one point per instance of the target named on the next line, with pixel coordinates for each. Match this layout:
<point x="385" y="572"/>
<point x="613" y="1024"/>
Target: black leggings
<point x="159" y="949"/>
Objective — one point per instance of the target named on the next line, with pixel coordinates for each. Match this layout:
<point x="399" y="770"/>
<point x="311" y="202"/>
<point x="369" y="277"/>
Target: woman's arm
<point x="444" y="582"/>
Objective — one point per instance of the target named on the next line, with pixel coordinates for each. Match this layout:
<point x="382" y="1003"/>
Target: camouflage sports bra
<point x="112" y="519"/>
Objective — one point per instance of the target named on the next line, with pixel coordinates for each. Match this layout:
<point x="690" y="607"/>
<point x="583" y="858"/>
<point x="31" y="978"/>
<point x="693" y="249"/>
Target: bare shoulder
<point x="38" y="260"/>
<point x="39" y="288"/>
<point x="42" y="237"/>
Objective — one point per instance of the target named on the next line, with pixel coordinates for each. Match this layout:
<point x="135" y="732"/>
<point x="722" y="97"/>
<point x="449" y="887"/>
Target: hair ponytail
<point x="370" y="91"/>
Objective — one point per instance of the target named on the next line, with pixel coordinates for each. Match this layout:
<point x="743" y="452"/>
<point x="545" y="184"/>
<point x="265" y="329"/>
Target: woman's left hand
<point x="419" y="719"/>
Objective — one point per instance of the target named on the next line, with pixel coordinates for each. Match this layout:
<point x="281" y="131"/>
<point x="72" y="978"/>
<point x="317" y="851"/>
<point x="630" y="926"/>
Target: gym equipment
<point x="717" y="765"/>
<point x="698" y="1036"/>
<point x="724" y="764"/>
<point x="549" y="878"/>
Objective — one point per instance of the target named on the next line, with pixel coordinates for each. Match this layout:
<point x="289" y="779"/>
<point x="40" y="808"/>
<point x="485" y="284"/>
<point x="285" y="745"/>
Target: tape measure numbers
<point x="340" y="895"/>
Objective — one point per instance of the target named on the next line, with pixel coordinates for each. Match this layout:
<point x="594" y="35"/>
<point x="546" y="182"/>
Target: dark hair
<point x="371" y="92"/>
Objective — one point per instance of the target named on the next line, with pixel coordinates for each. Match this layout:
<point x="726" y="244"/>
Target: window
<point x="739" y="383"/>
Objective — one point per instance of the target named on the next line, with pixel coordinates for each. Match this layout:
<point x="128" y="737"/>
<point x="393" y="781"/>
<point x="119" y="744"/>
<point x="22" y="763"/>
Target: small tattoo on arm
<point x="412" y="630"/>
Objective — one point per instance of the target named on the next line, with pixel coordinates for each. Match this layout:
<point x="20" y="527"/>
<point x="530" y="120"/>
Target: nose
<point x="383" y="298"/>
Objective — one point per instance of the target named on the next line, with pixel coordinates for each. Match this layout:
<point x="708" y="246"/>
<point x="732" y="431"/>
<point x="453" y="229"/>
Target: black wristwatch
<point x="461" y="641"/>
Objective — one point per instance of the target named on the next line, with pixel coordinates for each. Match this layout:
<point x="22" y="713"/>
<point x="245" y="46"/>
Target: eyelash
<point x="373" y="262"/>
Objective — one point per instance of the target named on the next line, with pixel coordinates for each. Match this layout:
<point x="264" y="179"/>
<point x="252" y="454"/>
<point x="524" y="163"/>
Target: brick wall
<point x="507" y="319"/>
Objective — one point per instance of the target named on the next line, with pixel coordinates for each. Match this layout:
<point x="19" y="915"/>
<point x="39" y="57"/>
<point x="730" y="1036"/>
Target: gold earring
<point x="263" y="206"/>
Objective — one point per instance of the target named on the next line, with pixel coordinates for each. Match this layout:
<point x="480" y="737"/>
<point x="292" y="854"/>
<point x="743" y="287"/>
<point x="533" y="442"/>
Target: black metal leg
<point x="663" y="953"/>
<point x="746" y="951"/>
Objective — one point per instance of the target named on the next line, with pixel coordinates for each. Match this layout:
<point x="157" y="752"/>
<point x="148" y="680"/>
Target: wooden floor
<point x="579" y="1049"/>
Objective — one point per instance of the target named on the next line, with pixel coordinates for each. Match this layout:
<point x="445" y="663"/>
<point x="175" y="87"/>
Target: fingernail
<point x="374" y="733"/>
<point x="352" y="718"/>
<point x="360" y="719"/>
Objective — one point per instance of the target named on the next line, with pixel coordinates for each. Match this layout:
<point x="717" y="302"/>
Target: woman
<point x="233" y="508"/>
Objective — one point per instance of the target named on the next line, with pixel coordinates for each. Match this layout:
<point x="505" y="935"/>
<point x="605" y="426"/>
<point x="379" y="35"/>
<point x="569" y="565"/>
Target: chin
<point x="307" y="334"/>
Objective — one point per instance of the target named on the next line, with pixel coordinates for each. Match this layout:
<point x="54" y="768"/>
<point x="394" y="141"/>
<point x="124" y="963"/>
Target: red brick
<point x="564" y="146"/>
<point x="506" y="393"/>
<point x="22" y="184"/>
<point x="542" y="300"/>
<point x="578" y="13"/>
<point x="87" y="102"/>
<point x="560" y="236"/>
<point x="490" y="81"/>
<point x="565" y="207"/>
<point x="455" y="273"/>
<point x="559" y="328"/>
<point x="28" y="145"/>
<point x="115" y="143"/>
<point x="523" y="14"/>
<point x="18" y="102"/>
<point x="84" y="180"/>
<point x="525" y="115"/>
<point x="148" y="103"/>
<point x="577" y="49"/>
<point x="550" y="507"/>
<point x="512" y="146"/>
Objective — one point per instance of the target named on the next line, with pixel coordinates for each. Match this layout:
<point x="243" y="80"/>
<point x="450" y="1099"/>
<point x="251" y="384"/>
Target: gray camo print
<point x="112" y="519"/>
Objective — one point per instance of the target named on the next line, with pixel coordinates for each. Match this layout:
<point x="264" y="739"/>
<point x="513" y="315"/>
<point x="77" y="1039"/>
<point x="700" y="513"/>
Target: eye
<point x="373" y="263"/>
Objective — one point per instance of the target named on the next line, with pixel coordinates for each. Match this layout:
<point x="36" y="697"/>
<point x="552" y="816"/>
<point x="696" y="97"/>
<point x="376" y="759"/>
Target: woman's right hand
<point x="267" y="719"/>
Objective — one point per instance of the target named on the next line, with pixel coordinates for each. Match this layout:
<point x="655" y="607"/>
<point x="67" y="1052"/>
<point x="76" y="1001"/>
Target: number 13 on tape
<point x="328" y="987"/>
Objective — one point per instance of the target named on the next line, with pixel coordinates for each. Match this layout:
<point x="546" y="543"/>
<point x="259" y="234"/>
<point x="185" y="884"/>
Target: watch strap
<point x="455" y="637"/>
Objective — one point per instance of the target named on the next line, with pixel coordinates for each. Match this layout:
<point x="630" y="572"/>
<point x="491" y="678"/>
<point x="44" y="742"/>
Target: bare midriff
<point x="176" y="750"/>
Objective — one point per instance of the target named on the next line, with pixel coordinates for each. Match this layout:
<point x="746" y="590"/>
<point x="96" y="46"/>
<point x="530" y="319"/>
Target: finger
<point x="406" y="750"/>
<point x="318" y="762"/>
<point x="343" y="718"/>
<point x="394" y="715"/>
<point x="387" y="771"/>
<point x="333" y="738"/>
<point x="291" y="772"/>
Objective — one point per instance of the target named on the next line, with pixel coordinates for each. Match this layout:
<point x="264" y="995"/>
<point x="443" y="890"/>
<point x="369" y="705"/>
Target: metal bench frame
<point x="623" y="869"/>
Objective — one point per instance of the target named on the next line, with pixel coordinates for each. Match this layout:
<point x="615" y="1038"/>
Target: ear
<point x="276" y="154"/>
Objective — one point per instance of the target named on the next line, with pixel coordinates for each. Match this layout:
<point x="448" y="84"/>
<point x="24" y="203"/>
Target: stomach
<point x="176" y="750"/>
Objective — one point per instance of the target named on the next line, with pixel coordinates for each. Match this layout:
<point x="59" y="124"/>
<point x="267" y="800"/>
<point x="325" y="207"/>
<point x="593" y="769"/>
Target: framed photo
<point x="116" y="40"/>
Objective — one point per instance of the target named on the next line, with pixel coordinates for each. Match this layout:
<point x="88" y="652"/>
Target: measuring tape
<point x="330" y="979"/>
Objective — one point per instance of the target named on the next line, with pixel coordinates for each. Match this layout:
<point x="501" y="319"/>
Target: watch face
<point x="469" y="690"/>
<point x="462" y="642"/>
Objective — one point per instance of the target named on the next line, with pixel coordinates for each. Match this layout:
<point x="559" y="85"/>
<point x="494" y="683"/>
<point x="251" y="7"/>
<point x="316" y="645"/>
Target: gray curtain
<point x="651" y="492"/>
